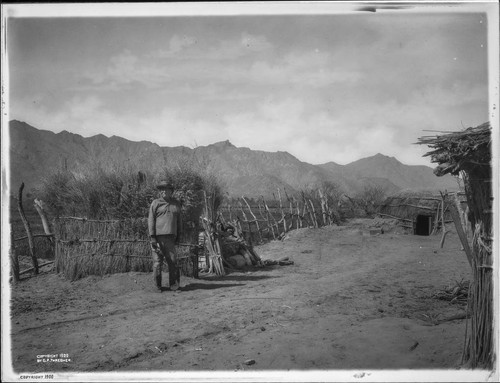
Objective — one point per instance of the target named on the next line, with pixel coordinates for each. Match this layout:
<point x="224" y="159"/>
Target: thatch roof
<point x="458" y="151"/>
<point x="407" y="204"/>
<point x="469" y="153"/>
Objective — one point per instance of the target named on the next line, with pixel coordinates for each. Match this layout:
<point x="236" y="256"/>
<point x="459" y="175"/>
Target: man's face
<point x="166" y="193"/>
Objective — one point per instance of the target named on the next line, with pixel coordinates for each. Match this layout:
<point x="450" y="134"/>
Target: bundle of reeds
<point x="209" y="222"/>
<point x="479" y="350"/>
<point x="212" y="244"/>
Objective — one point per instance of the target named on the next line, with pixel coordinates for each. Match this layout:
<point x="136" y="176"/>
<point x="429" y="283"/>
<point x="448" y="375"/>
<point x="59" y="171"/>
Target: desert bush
<point x="97" y="192"/>
<point x="56" y="191"/>
<point x="370" y="199"/>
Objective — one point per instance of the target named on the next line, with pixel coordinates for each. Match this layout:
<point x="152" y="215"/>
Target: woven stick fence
<point x="99" y="247"/>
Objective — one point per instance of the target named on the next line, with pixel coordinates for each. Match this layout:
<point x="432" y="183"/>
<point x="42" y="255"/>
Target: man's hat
<point x="164" y="185"/>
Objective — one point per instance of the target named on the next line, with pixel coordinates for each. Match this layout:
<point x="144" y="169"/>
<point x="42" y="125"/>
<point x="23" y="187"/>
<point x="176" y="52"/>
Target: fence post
<point x="256" y="220"/>
<point x="282" y="213"/>
<point x="323" y="206"/>
<point x="41" y="212"/>
<point x="299" y="218"/>
<point x="314" y="213"/>
<point x="268" y="213"/>
<point x="28" y="229"/>
<point x="443" y="199"/>
<point x="305" y="210"/>
<point x="14" y="259"/>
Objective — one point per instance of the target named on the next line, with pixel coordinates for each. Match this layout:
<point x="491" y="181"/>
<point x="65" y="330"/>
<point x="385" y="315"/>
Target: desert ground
<point x="351" y="300"/>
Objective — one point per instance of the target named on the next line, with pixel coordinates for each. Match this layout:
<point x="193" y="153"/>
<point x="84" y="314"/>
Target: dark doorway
<point x="424" y="225"/>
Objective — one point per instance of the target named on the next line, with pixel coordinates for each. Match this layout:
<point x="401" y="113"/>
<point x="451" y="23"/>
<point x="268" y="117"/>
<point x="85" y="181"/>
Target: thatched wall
<point x="92" y="247"/>
<point x="409" y="204"/>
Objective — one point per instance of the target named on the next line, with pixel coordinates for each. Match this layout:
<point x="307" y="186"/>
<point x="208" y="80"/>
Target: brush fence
<point x="92" y="247"/>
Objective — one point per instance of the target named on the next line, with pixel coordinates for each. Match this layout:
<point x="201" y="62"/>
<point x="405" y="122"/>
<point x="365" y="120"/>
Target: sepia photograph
<point x="250" y="191"/>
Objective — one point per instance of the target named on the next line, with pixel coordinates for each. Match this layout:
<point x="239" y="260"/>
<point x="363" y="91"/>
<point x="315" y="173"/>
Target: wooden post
<point x="436" y="220"/>
<point x="14" y="259"/>
<point x="45" y="222"/>
<point x="297" y="208"/>
<point x="254" y="217"/>
<point x="314" y="213"/>
<point x="249" y="233"/>
<point x="463" y="217"/>
<point x="28" y="229"/>
<point x="290" y="227"/>
<point x="243" y="211"/>
<point x="239" y="228"/>
<point x="304" y="209"/>
<point x="41" y="212"/>
<point x="461" y="234"/>
<point x="443" y="198"/>
<point x="323" y="207"/>
<point x="262" y="217"/>
<point x="268" y="213"/>
<point x="306" y="206"/>
<point x="282" y="213"/>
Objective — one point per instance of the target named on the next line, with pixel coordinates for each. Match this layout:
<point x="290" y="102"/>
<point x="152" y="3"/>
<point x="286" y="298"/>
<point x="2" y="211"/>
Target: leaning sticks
<point x="275" y="219"/>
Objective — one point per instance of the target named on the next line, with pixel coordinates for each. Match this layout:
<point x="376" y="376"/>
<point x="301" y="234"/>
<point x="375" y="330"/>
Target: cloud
<point x="171" y="128"/>
<point x="179" y="43"/>
<point x="305" y="69"/>
<point x="254" y="43"/>
<point x="86" y="116"/>
<point x="187" y="48"/>
<point x="458" y="94"/>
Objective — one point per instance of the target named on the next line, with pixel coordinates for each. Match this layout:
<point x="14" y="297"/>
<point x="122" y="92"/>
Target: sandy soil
<point x="350" y="301"/>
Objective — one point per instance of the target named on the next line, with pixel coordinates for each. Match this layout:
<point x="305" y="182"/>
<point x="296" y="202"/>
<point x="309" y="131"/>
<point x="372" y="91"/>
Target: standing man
<point x="164" y="223"/>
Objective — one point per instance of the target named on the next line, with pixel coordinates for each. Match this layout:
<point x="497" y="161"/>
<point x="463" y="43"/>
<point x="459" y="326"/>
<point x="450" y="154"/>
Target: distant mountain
<point x="404" y="176"/>
<point x="34" y="153"/>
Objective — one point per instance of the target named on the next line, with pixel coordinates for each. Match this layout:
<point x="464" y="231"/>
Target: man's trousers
<point x="167" y="253"/>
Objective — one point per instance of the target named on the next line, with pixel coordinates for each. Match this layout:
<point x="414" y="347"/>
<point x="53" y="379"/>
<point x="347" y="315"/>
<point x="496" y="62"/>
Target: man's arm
<point x="152" y="222"/>
<point x="179" y="225"/>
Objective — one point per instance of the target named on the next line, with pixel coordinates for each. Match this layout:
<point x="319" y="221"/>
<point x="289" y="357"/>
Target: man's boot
<point x="177" y="282"/>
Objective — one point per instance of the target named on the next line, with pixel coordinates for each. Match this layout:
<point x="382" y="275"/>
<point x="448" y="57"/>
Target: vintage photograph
<point x="250" y="191"/>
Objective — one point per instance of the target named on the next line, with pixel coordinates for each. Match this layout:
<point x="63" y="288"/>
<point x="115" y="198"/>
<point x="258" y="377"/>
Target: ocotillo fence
<point x="260" y="220"/>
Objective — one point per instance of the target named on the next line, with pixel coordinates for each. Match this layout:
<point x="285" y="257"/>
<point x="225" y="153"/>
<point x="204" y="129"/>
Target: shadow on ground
<point x="209" y="286"/>
<point x="236" y="277"/>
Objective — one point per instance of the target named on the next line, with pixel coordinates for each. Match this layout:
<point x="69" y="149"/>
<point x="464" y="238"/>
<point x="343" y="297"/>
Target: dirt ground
<point x="351" y="300"/>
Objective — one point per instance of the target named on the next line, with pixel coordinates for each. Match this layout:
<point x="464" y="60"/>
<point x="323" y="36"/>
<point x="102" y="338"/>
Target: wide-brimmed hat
<point x="164" y="185"/>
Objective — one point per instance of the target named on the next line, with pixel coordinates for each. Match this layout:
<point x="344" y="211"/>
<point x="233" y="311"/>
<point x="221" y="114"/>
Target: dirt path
<point x="350" y="301"/>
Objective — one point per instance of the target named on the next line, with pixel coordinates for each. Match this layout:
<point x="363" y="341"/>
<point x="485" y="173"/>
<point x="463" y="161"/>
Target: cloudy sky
<point x="325" y="87"/>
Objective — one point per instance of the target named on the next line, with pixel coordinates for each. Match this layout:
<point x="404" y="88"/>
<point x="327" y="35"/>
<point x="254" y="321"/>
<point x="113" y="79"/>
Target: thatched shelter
<point x="468" y="153"/>
<point x="418" y="211"/>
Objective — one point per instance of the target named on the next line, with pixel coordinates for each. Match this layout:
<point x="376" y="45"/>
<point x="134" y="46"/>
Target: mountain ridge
<point x="243" y="171"/>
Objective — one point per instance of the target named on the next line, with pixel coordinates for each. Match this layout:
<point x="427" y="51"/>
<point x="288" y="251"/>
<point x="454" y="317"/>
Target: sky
<point x="323" y="87"/>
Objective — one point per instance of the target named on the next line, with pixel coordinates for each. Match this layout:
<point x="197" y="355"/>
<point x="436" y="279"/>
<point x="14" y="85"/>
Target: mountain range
<point x="34" y="153"/>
